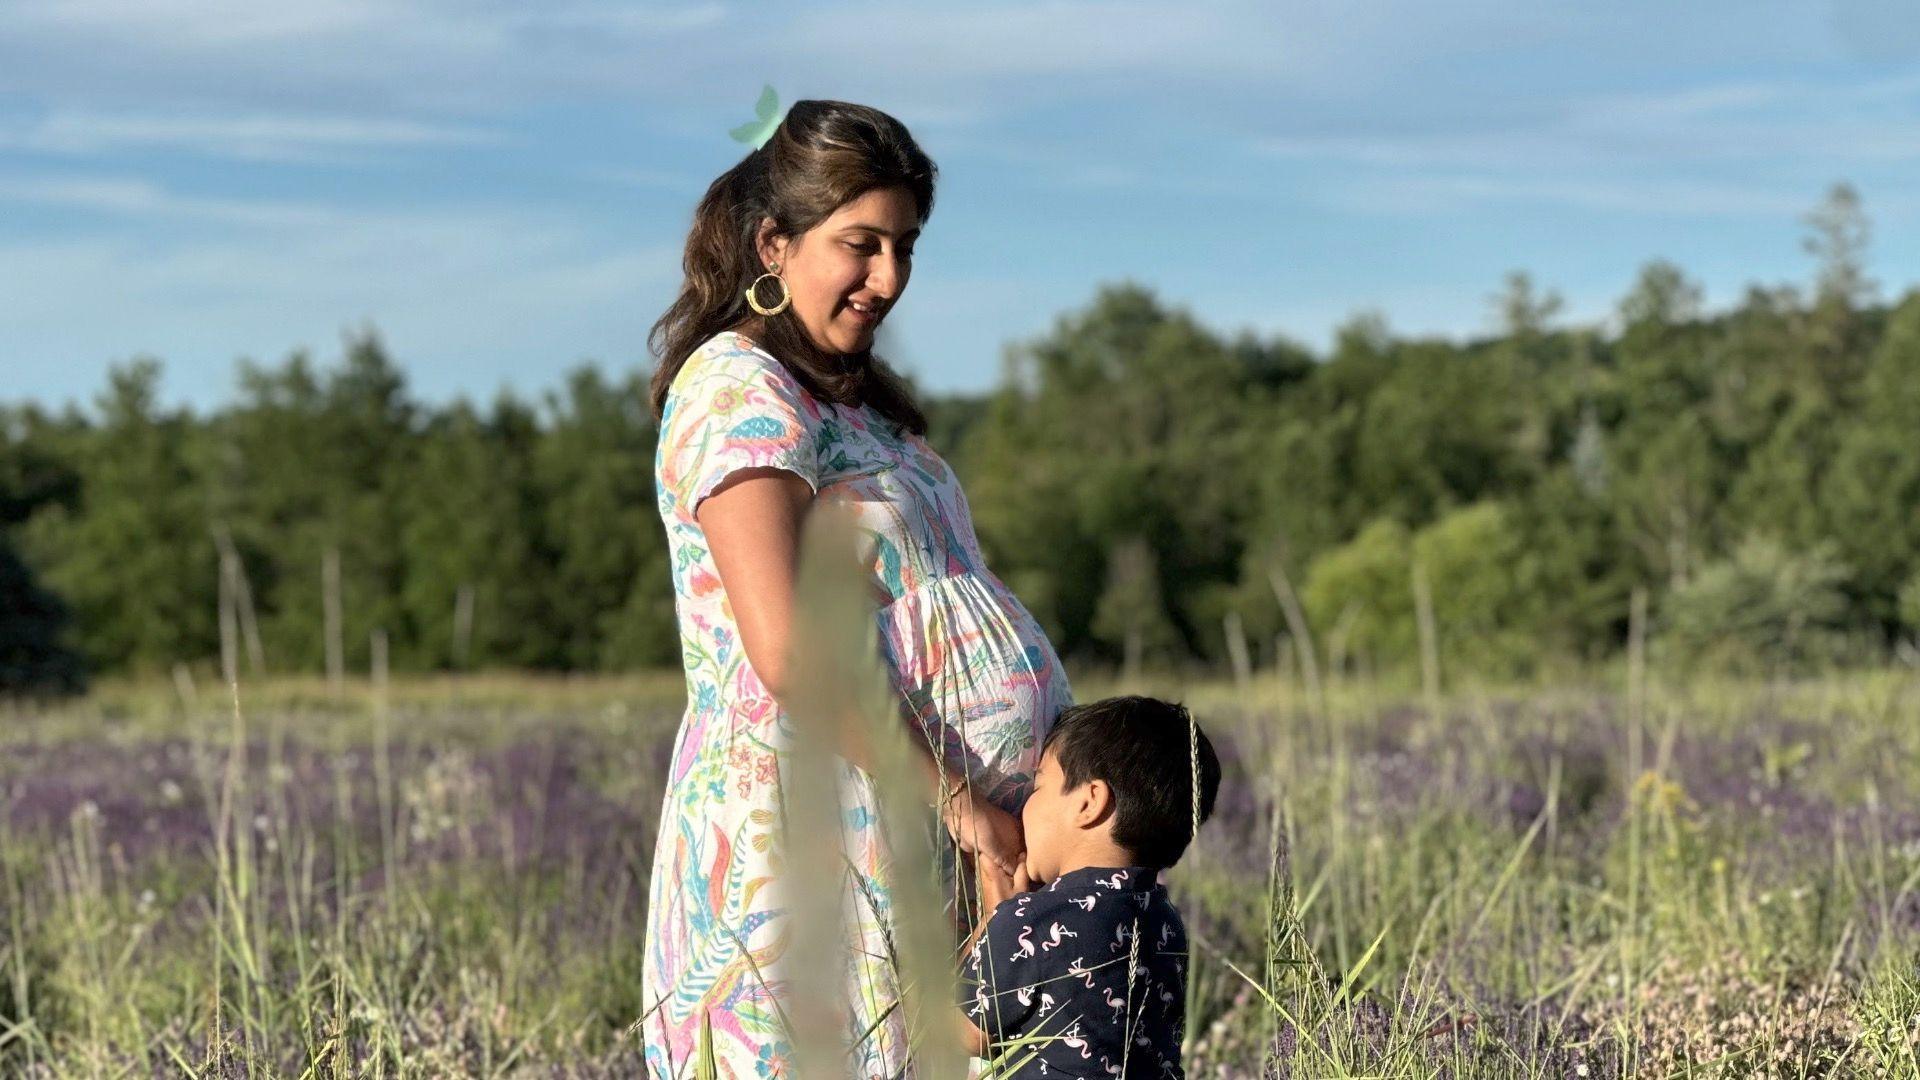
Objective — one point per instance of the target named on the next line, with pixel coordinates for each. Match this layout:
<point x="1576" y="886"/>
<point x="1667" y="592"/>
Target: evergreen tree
<point x="1871" y="497"/>
<point x="34" y="658"/>
<point x="313" y="466"/>
<point x="36" y="470"/>
<point x="471" y="591"/>
<point x="609" y="596"/>
<point x="132" y="555"/>
<point x="1128" y="419"/>
<point x="1131" y="616"/>
<point x="1838" y="231"/>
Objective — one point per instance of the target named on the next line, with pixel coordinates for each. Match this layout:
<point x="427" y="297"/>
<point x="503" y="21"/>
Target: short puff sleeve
<point x="735" y="409"/>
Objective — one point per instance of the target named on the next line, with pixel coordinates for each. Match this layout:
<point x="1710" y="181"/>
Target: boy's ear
<point x="1094" y="802"/>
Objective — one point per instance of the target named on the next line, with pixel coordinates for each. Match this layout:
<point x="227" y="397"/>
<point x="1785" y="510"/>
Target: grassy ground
<point x="448" y="877"/>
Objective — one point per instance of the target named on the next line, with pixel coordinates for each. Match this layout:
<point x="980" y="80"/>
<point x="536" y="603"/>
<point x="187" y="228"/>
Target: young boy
<point x="1093" y="964"/>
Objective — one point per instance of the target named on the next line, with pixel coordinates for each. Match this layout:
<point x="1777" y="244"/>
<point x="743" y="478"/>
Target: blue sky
<point x="502" y="188"/>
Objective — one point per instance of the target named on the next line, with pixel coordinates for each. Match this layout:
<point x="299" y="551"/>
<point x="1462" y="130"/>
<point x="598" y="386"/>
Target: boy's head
<point x="1118" y="772"/>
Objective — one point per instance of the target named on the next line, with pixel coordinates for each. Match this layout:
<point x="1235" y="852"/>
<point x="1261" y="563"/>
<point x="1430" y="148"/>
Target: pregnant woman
<point x="770" y="400"/>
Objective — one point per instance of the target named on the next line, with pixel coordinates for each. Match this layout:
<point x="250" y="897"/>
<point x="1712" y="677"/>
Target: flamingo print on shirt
<point x="1056" y="935"/>
<point x="1081" y="1001"/>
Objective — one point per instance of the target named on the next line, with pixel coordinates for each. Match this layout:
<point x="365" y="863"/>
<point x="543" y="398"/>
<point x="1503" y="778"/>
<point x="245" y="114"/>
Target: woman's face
<point x="847" y="272"/>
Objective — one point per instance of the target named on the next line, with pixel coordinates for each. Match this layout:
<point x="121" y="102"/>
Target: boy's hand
<point x="997" y="886"/>
<point x="972" y="1039"/>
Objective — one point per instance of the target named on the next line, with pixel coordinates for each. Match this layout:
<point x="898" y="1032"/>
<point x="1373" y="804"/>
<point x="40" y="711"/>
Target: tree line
<point x="1156" y="491"/>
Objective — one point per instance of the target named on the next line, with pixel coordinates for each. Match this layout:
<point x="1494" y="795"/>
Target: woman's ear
<point x="771" y="248"/>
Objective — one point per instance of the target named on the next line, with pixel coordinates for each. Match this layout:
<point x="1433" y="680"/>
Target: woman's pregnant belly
<point x="980" y="676"/>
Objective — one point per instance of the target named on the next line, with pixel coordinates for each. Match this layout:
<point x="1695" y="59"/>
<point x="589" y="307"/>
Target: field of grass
<point x="448" y="878"/>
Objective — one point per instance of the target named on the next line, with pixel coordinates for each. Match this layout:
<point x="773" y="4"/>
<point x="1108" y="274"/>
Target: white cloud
<point x="1714" y="122"/>
<point x="1735" y="149"/>
<point x="200" y="26"/>
<point x="189" y="25"/>
<point x="251" y="136"/>
<point x="1429" y="193"/>
<point x="352" y="56"/>
<point x="1745" y="121"/>
<point x="142" y="199"/>
<point x="680" y="183"/>
<point x="1049" y="38"/>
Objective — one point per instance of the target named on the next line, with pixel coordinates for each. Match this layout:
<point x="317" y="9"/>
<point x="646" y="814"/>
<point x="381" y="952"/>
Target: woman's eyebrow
<point x="878" y="231"/>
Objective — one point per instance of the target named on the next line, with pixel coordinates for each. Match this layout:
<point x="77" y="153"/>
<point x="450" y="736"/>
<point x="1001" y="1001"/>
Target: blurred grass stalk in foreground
<point x="840" y="700"/>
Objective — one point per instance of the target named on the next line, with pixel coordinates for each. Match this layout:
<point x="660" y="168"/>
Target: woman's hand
<point x="982" y="829"/>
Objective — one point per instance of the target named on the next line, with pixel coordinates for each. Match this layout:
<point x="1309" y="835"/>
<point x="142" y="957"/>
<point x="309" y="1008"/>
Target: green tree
<point x="34" y="657"/>
<point x="1838" y="231"/>
<point x="1763" y="607"/>
<point x="1304" y="493"/>
<point x="1574" y="569"/>
<point x="1871" y="495"/>
<point x="1668" y="464"/>
<point x="472" y="591"/>
<point x="36" y="470"/>
<point x="1131" y="615"/>
<point x="1439" y="431"/>
<point x="1490" y="593"/>
<point x="1359" y="596"/>
<point x="609" y="594"/>
<point x="1909" y="610"/>
<point x="1129" y="419"/>
<point x="308" y="463"/>
<point x="132" y="555"/>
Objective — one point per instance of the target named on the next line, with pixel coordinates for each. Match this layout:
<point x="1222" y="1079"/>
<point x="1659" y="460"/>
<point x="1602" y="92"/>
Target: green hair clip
<point x="757" y="131"/>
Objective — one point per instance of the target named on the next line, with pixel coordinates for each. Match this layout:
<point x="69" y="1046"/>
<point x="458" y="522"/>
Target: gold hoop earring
<point x="786" y="294"/>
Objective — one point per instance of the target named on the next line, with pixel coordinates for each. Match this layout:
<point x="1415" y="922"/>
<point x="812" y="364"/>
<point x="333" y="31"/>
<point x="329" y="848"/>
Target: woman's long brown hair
<point x="824" y="155"/>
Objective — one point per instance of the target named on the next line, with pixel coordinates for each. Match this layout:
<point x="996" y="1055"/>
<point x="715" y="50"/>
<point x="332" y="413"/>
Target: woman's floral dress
<point x="975" y="667"/>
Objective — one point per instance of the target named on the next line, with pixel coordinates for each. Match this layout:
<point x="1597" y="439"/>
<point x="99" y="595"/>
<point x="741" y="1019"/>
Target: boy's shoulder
<point x="1109" y="888"/>
<point x="1086" y="888"/>
<point x="1107" y="901"/>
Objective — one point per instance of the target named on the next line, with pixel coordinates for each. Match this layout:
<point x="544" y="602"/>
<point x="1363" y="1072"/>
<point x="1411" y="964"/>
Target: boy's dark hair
<point x="1141" y="747"/>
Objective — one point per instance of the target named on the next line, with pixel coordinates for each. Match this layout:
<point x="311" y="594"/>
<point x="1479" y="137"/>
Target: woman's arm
<point x="752" y="524"/>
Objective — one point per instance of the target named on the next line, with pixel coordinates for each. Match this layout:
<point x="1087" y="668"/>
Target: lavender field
<point x="448" y="878"/>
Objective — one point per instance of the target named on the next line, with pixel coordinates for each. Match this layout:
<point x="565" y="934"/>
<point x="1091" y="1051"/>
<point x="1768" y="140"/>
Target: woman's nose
<point x="887" y="277"/>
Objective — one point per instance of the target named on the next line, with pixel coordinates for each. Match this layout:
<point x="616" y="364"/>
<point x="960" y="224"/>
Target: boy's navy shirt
<point x="1054" y="963"/>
